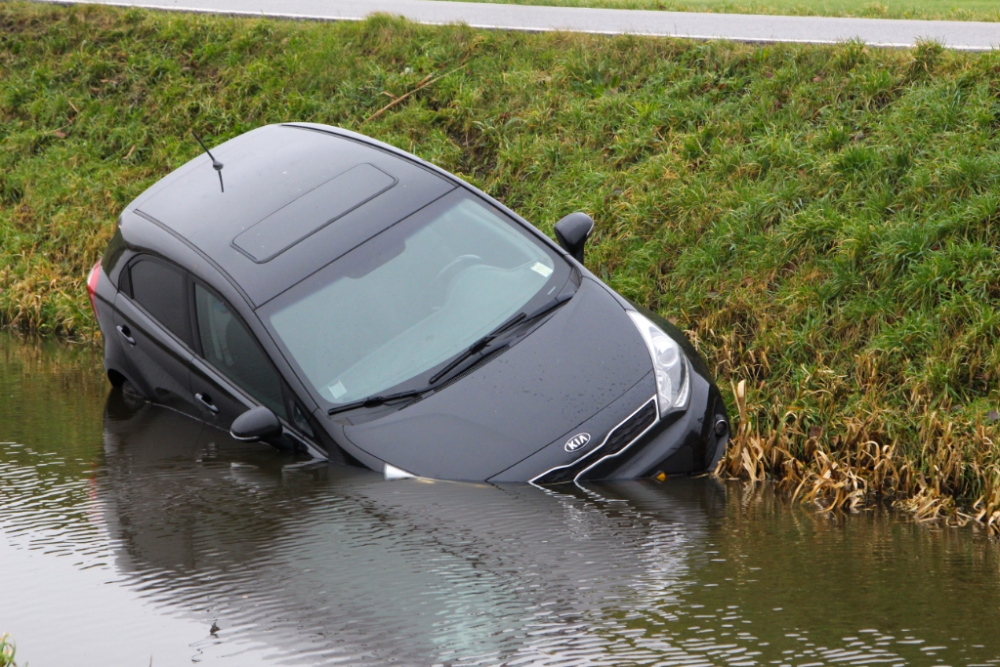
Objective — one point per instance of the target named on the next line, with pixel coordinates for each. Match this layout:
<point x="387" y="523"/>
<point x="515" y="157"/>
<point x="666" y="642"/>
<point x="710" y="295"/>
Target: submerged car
<point x="318" y="290"/>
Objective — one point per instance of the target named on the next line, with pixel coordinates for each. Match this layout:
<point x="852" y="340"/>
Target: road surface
<point x="963" y="35"/>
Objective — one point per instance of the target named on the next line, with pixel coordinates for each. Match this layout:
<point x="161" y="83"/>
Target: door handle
<point x="126" y="334"/>
<point x="206" y="400"/>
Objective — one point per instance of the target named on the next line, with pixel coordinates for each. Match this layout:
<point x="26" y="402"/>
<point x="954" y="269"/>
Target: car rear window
<point x="162" y="291"/>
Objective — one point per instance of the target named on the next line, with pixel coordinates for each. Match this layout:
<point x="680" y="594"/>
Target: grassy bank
<point x="824" y="221"/>
<point x="952" y="10"/>
<point x="7" y="651"/>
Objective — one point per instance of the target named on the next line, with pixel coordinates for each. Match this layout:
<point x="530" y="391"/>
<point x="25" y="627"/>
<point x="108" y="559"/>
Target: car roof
<point x="292" y="199"/>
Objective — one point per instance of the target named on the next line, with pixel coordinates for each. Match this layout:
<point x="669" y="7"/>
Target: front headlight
<point x="673" y="382"/>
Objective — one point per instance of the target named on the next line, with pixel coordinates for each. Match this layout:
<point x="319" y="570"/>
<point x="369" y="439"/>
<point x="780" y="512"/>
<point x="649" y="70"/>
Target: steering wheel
<point x="456" y="265"/>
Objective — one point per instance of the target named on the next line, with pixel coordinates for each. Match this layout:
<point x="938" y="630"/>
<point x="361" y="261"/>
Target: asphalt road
<point x="964" y="35"/>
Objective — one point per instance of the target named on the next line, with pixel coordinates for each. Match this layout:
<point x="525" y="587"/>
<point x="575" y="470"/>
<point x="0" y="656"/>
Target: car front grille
<point x="617" y="440"/>
<point x="630" y="429"/>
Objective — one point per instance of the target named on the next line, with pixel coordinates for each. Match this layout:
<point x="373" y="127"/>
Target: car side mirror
<point x="572" y="232"/>
<point x="258" y="423"/>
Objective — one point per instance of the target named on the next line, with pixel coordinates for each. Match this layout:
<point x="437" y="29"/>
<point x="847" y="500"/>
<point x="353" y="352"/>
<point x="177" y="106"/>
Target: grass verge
<point x="7" y="651"/>
<point x="823" y="221"/>
<point x="951" y="10"/>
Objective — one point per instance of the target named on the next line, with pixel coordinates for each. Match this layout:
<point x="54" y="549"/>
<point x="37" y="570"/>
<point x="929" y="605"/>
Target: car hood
<point x="578" y="362"/>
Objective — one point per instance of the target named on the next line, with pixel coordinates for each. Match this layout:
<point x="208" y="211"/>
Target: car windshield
<point x="413" y="297"/>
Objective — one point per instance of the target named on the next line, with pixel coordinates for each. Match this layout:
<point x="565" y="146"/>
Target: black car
<point x="321" y="291"/>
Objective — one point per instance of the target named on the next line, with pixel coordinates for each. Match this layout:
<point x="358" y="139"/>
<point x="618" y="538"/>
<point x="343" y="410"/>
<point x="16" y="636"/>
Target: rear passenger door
<point x="152" y="320"/>
<point x="231" y="373"/>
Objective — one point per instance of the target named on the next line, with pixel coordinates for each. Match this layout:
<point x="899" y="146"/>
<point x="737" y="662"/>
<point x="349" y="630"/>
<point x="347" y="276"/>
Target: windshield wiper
<point x="477" y="347"/>
<point x="483" y="343"/>
<point x="373" y="401"/>
<point x="546" y="307"/>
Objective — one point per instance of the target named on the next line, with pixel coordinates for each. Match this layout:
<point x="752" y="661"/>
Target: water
<point x="129" y="535"/>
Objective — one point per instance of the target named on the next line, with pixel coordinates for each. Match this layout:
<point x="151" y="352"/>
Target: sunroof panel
<point x="312" y="211"/>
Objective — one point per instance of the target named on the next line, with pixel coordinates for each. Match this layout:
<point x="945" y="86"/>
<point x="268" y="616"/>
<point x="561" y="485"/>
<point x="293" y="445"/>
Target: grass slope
<point x="7" y="650"/>
<point x="822" y="220"/>
<point x="953" y="10"/>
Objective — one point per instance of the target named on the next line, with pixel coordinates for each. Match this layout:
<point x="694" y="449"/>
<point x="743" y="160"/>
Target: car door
<point x="231" y="373"/>
<point x="152" y="319"/>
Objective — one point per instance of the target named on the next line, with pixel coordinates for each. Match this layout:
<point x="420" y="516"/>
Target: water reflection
<point x="307" y="564"/>
<point x="368" y="570"/>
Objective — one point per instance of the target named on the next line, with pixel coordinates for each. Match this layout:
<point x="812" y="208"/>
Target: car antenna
<point x="215" y="163"/>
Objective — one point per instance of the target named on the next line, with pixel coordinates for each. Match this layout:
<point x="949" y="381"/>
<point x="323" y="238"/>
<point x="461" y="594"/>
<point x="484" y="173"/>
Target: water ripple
<point x="323" y="565"/>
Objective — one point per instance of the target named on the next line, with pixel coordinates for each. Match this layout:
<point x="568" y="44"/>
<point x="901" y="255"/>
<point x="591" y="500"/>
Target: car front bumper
<point x="630" y="441"/>
<point x="689" y="442"/>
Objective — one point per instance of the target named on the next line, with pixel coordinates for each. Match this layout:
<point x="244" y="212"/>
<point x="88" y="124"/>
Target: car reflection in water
<point x="329" y="563"/>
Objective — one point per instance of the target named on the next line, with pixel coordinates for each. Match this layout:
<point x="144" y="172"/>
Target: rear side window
<point x="230" y="347"/>
<point x="162" y="290"/>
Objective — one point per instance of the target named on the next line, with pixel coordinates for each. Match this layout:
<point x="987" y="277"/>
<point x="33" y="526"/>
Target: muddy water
<point x="132" y="535"/>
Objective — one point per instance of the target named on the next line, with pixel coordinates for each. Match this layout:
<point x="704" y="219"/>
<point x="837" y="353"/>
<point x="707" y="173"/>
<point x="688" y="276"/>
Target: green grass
<point x="953" y="10"/>
<point x="824" y="221"/>
<point x="7" y="650"/>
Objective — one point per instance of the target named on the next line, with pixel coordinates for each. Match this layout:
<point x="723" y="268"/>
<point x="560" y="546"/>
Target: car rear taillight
<point x="92" y="278"/>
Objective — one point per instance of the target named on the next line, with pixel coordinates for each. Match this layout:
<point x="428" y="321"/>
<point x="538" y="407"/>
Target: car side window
<point x="228" y="345"/>
<point x="162" y="291"/>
